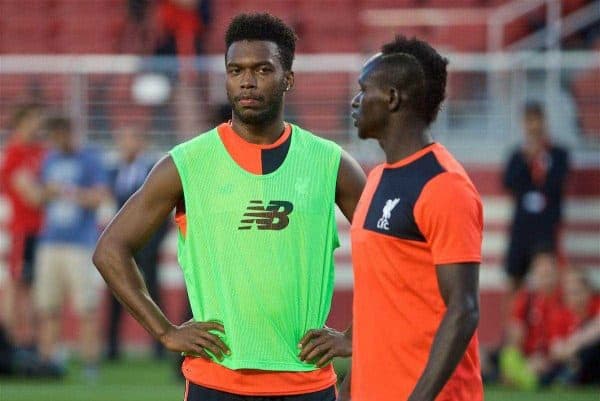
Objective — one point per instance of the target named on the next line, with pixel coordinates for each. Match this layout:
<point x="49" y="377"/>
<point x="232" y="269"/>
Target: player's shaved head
<point x="401" y="72"/>
<point x="433" y="64"/>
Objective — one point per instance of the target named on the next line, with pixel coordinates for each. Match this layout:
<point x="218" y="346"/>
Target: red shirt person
<point x="534" y="307"/>
<point x="575" y="329"/>
<point x="19" y="169"/>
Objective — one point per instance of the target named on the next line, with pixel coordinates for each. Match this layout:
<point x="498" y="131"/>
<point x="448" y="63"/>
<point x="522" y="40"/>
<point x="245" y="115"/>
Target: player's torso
<point x="397" y="303"/>
<point x="259" y="248"/>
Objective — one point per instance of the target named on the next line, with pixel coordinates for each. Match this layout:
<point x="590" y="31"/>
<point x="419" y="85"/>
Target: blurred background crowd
<point x="93" y="92"/>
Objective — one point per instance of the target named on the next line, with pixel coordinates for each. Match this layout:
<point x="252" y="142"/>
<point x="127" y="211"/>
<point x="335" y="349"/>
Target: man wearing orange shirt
<point x="416" y="242"/>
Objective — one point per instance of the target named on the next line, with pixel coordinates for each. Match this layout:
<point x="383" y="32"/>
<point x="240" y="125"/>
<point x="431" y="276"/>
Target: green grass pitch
<point x="149" y="380"/>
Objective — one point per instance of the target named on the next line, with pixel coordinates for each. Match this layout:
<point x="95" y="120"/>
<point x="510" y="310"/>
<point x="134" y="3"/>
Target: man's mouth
<point x="249" y="101"/>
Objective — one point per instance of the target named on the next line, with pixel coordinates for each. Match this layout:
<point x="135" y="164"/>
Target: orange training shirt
<point x="417" y="213"/>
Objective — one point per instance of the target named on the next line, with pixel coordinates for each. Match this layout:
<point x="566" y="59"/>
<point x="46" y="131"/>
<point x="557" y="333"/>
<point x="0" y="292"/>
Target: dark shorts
<point x="198" y="393"/>
<point x="522" y="249"/>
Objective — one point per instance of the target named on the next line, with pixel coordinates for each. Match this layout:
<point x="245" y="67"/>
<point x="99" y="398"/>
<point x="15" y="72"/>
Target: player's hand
<point x="195" y="338"/>
<point x="323" y="345"/>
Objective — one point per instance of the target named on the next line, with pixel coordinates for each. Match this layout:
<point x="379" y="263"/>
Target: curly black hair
<point x="434" y="66"/>
<point x="264" y="27"/>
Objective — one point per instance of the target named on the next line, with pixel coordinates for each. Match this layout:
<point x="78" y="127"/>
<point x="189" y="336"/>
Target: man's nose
<point x="248" y="80"/>
<point x="355" y="101"/>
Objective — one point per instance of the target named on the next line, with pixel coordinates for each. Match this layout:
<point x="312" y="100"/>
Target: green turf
<point x="149" y="380"/>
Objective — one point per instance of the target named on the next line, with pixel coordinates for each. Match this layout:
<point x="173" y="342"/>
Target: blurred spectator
<point x="524" y="360"/>
<point x="535" y="175"/>
<point x="19" y="181"/>
<point x="17" y="361"/>
<point x="181" y="26"/>
<point x="575" y="347"/>
<point x="74" y="186"/>
<point x="136" y="36"/>
<point x="129" y="175"/>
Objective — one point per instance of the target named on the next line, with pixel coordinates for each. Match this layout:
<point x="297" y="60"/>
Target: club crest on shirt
<point x="384" y="222"/>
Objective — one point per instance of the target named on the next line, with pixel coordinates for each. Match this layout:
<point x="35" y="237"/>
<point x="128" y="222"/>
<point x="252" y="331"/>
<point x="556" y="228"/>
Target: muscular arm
<point x="350" y="184"/>
<point x="458" y="285"/>
<point x="139" y="218"/>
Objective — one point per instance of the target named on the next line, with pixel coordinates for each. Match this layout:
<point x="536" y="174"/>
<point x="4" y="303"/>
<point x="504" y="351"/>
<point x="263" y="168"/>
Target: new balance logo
<point x="272" y="217"/>
<point x="384" y="222"/>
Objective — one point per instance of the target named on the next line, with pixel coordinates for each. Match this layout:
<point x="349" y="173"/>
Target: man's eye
<point x="264" y="70"/>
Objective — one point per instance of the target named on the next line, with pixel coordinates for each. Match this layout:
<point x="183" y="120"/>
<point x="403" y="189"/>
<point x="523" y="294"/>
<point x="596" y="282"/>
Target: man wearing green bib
<point x="255" y="206"/>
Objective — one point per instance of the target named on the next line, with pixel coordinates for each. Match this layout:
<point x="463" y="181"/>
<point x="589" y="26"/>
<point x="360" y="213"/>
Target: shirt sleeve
<point x="450" y="216"/>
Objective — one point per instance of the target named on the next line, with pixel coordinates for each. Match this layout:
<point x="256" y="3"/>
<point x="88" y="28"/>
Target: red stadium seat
<point x="586" y="88"/>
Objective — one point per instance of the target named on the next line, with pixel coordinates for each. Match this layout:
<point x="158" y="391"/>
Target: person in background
<point x="535" y="175"/>
<point x="181" y="25"/>
<point x="19" y="174"/>
<point x="575" y="343"/>
<point x="524" y="361"/>
<point x="126" y="179"/>
<point x="75" y="184"/>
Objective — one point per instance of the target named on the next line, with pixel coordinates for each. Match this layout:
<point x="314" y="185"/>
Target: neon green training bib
<point x="258" y="252"/>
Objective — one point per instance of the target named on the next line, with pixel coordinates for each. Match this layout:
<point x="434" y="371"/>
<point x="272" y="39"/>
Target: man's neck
<point x="263" y="134"/>
<point x="404" y="139"/>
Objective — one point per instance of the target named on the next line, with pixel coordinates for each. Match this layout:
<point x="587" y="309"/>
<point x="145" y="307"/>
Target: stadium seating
<point x="319" y="101"/>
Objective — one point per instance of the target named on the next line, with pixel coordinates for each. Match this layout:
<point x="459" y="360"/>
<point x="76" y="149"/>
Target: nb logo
<point x="272" y="217"/>
<point x="384" y="222"/>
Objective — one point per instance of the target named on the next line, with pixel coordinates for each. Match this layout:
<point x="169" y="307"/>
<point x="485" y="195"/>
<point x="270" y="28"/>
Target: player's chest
<point x="388" y="207"/>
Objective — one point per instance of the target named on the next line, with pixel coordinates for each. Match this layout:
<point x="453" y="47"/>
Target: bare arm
<point x="459" y="288"/>
<point x="585" y="336"/>
<point x="139" y="218"/>
<point x="350" y="184"/>
<point x="344" y="389"/>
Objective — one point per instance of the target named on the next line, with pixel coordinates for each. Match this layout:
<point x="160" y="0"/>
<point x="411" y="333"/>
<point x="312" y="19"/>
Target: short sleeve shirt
<point x="415" y="214"/>
<point x="66" y="221"/>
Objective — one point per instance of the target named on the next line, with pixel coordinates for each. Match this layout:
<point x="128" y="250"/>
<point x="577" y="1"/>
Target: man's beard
<point x="257" y="117"/>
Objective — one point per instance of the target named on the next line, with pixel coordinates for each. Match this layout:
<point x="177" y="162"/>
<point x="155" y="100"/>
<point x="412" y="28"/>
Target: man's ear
<point x="289" y="79"/>
<point x="395" y="99"/>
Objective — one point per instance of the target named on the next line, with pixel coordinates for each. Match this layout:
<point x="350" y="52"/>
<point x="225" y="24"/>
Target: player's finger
<point x="211" y="326"/>
<point x="216" y="340"/>
<point x="325" y="359"/>
<point x="209" y="346"/>
<point x="318" y="350"/>
<point x="310" y="334"/>
<point x="199" y="351"/>
<point x="309" y="348"/>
